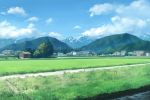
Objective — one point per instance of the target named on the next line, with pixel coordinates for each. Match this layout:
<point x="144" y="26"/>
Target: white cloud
<point x="77" y="27"/>
<point x="138" y="8"/>
<point x="56" y="35"/>
<point x="99" y="9"/>
<point x="17" y="10"/>
<point x="133" y="18"/>
<point x="95" y="31"/>
<point x="117" y="26"/>
<point x="33" y="19"/>
<point x="49" y="20"/>
<point x="7" y="30"/>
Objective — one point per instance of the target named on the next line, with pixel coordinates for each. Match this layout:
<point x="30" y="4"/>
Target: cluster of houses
<point x="22" y="54"/>
<point x="133" y="53"/>
<point x="117" y="53"/>
<point x="19" y="54"/>
<point x="76" y="53"/>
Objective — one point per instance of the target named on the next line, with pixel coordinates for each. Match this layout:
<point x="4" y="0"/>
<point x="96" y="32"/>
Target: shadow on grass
<point x="109" y="96"/>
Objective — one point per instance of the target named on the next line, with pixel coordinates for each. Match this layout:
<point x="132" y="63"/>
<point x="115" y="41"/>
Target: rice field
<point x="8" y="67"/>
<point x="75" y="86"/>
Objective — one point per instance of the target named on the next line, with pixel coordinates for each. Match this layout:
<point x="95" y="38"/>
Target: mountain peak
<point x="33" y="44"/>
<point x="78" y="42"/>
<point x="127" y="35"/>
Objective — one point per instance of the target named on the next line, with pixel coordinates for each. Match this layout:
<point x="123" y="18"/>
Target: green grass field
<point x="77" y="85"/>
<point x="41" y="65"/>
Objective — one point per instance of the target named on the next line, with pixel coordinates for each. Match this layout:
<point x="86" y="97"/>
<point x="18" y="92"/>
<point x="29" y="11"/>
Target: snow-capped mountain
<point x="78" y="42"/>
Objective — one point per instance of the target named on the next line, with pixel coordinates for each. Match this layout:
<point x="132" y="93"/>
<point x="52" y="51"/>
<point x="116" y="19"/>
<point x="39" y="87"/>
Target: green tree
<point x="44" y="50"/>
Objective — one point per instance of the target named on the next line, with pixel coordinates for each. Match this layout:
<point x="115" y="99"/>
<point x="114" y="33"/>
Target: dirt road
<point x="66" y="71"/>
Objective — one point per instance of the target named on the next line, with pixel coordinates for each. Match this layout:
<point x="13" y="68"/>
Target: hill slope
<point x="33" y="44"/>
<point x="117" y="42"/>
<point x="4" y="42"/>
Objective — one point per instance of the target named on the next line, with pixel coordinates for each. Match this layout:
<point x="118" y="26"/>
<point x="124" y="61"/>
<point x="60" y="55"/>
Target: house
<point x="123" y="53"/>
<point x="85" y="53"/>
<point x="73" y="53"/>
<point x="131" y="53"/>
<point x="147" y="54"/>
<point x="81" y="53"/>
<point x="23" y="55"/>
<point x="139" y="53"/>
<point x="116" y="53"/>
<point x="8" y="52"/>
<point x="59" y="54"/>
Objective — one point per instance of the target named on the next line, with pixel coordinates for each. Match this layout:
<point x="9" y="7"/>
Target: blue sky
<point x="63" y="18"/>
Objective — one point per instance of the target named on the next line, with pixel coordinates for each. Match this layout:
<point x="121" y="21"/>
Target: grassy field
<point x="41" y="65"/>
<point x="74" y="86"/>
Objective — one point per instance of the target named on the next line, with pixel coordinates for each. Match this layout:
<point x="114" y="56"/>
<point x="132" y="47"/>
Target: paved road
<point x="139" y="96"/>
<point x="65" y="71"/>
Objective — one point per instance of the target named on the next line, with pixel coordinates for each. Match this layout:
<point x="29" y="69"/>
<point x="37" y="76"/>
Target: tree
<point x="44" y="50"/>
<point x="30" y="50"/>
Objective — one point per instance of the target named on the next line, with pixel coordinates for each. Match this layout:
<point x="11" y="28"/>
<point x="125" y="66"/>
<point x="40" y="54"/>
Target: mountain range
<point x="6" y="42"/>
<point x="117" y="42"/>
<point x="107" y="44"/>
<point x="33" y="44"/>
